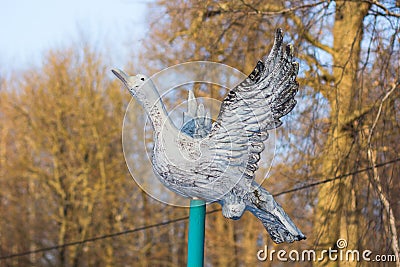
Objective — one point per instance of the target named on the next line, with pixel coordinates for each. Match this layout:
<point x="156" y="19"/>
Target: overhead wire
<point x="179" y="219"/>
<point x="93" y="239"/>
<point x="336" y="177"/>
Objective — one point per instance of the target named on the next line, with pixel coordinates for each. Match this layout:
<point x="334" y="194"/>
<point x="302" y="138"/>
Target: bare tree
<point x="63" y="175"/>
<point x="348" y="52"/>
<point x="62" y="166"/>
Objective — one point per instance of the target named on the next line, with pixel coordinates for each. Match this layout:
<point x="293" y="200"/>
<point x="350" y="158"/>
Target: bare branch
<point x="308" y="37"/>
<point x="275" y="10"/>
<point x="394" y="87"/>
<point x="377" y="180"/>
<point x="291" y="9"/>
<point x="383" y="7"/>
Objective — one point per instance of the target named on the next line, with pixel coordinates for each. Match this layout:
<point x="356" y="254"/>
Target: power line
<point x="335" y="178"/>
<point x="93" y="239"/>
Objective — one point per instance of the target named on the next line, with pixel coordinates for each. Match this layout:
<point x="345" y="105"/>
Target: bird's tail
<point x="278" y="224"/>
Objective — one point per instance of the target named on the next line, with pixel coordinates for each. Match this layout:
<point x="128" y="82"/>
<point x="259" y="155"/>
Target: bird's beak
<point x="122" y="76"/>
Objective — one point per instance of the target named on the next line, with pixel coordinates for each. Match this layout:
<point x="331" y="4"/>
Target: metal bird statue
<point x="217" y="161"/>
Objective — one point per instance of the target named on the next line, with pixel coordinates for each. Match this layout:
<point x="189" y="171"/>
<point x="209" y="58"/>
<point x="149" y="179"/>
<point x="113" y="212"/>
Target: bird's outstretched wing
<point x="255" y="106"/>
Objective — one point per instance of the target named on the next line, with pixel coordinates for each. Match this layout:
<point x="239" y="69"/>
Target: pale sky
<point x="31" y="27"/>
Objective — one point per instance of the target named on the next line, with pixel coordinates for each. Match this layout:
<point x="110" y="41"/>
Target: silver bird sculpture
<point x="217" y="161"/>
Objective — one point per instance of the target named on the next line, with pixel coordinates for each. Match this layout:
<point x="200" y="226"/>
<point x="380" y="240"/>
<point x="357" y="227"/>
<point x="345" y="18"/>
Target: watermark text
<point x="340" y="253"/>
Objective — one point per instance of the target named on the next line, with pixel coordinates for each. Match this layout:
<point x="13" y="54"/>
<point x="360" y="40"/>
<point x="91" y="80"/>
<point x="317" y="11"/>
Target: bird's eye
<point x="142" y="79"/>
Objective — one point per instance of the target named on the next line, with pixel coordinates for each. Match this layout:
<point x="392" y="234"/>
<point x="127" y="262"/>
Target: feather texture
<point x="218" y="162"/>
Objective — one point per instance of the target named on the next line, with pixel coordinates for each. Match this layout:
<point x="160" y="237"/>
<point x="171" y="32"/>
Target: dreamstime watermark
<point x="340" y="253"/>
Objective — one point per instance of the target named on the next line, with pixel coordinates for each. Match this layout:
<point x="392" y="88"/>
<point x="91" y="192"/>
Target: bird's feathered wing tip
<point x="255" y="106"/>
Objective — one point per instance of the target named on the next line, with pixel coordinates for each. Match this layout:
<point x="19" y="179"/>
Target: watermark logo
<point x="341" y="243"/>
<point x="339" y="253"/>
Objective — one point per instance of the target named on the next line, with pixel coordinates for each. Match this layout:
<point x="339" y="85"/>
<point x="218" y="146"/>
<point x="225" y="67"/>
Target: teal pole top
<point x="197" y="217"/>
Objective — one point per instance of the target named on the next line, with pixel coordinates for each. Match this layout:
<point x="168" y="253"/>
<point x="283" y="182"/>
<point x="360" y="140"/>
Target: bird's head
<point x="133" y="83"/>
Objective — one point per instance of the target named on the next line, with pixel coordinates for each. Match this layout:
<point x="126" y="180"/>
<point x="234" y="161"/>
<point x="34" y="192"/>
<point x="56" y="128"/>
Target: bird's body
<point x="217" y="162"/>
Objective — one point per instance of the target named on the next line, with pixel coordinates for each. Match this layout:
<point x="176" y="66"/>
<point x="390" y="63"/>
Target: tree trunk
<point x="336" y="213"/>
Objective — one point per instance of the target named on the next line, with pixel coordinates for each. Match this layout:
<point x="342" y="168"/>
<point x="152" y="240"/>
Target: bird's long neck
<point x="150" y="99"/>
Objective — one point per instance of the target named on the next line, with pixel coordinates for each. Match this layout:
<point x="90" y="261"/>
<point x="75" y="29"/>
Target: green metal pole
<point x="197" y="217"/>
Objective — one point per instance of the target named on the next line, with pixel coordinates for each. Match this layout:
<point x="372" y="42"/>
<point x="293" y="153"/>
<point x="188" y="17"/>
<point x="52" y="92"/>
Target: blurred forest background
<point x="63" y="177"/>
